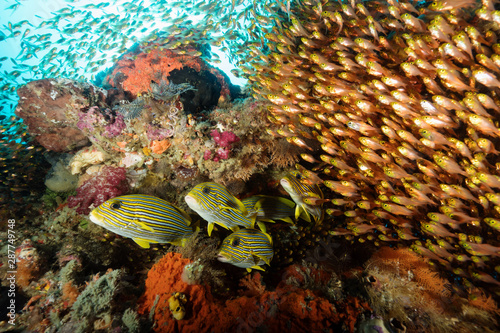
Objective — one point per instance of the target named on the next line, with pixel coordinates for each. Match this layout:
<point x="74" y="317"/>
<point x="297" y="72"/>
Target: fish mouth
<point x="191" y="202"/>
<point x="95" y="218"/>
<point x="222" y="258"/>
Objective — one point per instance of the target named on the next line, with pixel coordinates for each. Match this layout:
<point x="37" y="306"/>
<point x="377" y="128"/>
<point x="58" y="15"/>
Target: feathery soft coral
<point x="110" y="182"/>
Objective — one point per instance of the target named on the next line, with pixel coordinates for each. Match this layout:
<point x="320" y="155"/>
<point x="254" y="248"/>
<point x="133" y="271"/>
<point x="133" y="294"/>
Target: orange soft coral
<point x="27" y="271"/>
<point x="135" y="71"/>
<point x="159" y="146"/>
<point x="163" y="280"/>
<point x="153" y="66"/>
<point x="254" y="309"/>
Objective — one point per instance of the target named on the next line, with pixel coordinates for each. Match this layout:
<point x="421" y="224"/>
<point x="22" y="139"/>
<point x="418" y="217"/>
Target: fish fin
<point x="210" y="228"/>
<point x="262" y="226"/>
<point x="319" y="219"/>
<point x="256" y="267"/>
<point x="285" y="201"/>
<point x="142" y="243"/>
<point x="258" y="204"/>
<point x="252" y="216"/>
<point x="235" y="204"/>
<point x="269" y="237"/>
<point x="241" y="206"/>
<point x="303" y="213"/>
<point x="179" y="242"/>
<point x="266" y="260"/>
<point x="257" y="258"/>
<point x="144" y="226"/>
<point x="231" y="208"/>
<point x="287" y="220"/>
<point x="183" y="213"/>
<point x="196" y="226"/>
<point x="249" y="269"/>
<point x="235" y="228"/>
<point x="297" y="211"/>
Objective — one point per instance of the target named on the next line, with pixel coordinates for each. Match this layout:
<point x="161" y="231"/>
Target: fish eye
<point x="206" y="189"/>
<point x="115" y="205"/>
<point x="235" y="242"/>
<point x="298" y="176"/>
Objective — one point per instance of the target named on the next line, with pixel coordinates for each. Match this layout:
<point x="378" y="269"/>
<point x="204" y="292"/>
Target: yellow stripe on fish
<point x="301" y="191"/>
<point x="144" y="218"/>
<point x="217" y="205"/>
<point x="270" y="208"/>
<point x="247" y="248"/>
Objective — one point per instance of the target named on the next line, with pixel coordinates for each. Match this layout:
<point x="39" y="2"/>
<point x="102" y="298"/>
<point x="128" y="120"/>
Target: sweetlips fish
<point x="303" y="193"/>
<point x="214" y="203"/>
<point x="270" y="208"/>
<point x="247" y="248"/>
<point x="144" y="218"/>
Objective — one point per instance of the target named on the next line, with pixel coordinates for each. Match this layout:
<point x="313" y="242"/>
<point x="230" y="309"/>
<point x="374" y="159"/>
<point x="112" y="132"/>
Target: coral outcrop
<point x="49" y="108"/>
<point x="135" y="71"/>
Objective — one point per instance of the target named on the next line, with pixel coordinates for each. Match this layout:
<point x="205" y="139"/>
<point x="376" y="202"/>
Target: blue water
<point x="79" y="39"/>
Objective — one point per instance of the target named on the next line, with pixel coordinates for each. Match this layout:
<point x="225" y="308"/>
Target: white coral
<point x="85" y="157"/>
<point x="132" y="160"/>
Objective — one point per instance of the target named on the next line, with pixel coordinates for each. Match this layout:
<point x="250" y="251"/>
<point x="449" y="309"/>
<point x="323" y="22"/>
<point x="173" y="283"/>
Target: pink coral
<point x="207" y="155"/>
<point x="222" y="154"/>
<point x="108" y="183"/>
<point x="224" y="139"/>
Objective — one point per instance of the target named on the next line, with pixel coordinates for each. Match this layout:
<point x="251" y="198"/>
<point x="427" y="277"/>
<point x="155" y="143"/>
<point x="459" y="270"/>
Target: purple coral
<point x="156" y="133"/>
<point x="88" y="120"/>
<point x="93" y="118"/>
<point x="110" y="182"/>
<point x="116" y="127"/>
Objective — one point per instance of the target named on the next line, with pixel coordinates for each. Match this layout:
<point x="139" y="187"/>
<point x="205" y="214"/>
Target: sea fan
<point x="131" y="110"/>
<point x="166" y="91"/>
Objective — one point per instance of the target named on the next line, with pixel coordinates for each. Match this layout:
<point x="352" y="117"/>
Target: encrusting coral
<point x="401" y="285"/>
<point x="255" y="308"/>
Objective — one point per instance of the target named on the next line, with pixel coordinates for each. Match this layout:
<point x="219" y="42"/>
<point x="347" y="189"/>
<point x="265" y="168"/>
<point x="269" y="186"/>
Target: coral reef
<point x="392" y="108"/>
<point x="136" y="70"/>
<point x="28" y="263"/>
<point x="224" y="141"/>
<point x="84" y="158"/>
